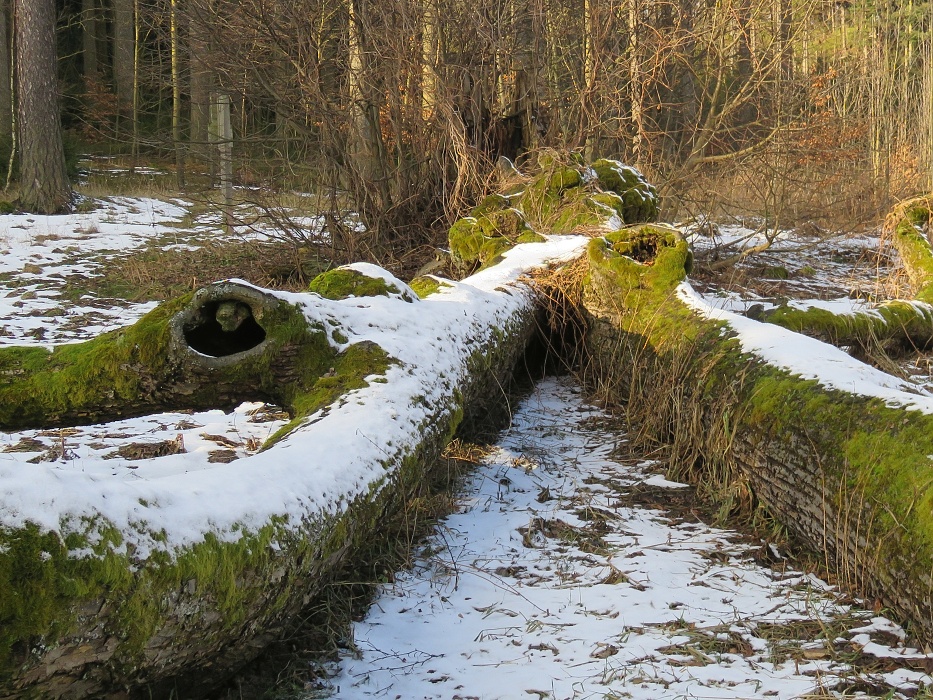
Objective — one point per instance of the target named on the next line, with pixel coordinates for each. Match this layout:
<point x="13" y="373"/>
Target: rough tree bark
<point x="201" y="84"/>
<point x="6" y="88"/>
<point x="44" y="186"/>
<point x="123" y="51"/>
<point x="89" y="38"/>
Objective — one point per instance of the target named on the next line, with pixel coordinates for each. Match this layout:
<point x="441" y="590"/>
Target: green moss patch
<point x="904" y="226"/>
<point x="482" y="239"/>
<point x="426" y="286"/>
<point x="563" y="197"/>
<point x="640" y="199"/>
<point x="343" y="283"/>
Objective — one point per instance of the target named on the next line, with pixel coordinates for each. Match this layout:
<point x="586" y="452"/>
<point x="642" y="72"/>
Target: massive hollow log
<point x="179" y="356"/>
<point x="837" y="451"/>
<point x="750" y="406"/>
<point x="162" y="587"/>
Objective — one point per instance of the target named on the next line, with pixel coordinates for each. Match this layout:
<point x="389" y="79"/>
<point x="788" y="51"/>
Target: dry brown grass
<point x="155" y="274"/>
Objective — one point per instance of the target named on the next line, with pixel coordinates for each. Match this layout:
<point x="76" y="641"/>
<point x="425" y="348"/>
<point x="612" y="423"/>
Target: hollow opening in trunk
<point x="224" y="327"/>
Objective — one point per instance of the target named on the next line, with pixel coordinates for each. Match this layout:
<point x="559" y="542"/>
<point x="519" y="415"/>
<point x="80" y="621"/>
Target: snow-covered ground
<point x="44" y="258"/>
<point x="552" y="582"/>
<point x="45" y="261"/>
<point x="841" y="273"/>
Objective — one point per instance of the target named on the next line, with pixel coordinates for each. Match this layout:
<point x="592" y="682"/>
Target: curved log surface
<point x="849" y="475"/>
<point x="152" y="587"/>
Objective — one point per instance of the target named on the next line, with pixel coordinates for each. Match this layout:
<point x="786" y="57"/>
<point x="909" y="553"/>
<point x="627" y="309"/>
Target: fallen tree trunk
<point x="848" y="473"/>
<point x="164" y="587"/>
<point x="176" y="357"/>
<point x="894" y="326"/>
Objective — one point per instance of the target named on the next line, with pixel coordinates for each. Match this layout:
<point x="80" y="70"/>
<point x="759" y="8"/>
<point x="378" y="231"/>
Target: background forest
<point x="398" y="110"/>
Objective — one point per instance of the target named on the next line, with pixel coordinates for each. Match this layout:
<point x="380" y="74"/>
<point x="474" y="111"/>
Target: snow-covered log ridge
<point x="837" y="451"/>
<point x="112" y="583"/>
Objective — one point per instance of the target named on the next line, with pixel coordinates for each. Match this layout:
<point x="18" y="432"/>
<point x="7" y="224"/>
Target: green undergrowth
<point x="685" y="383"/>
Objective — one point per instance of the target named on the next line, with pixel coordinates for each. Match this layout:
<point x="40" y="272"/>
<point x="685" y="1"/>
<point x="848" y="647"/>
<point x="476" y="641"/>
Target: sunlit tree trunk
<point x="635" y="87"/>
<point x="430" y="56"/>
<point x="365" y="143"/>
<point x="44" y="187"/>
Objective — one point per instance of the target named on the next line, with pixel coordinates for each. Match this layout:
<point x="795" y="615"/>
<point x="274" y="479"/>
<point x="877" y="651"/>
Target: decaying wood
<point x="102" y="622"/>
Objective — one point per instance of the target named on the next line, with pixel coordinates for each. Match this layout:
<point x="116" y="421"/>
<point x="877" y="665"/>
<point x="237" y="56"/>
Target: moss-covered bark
<point x="848" y="475"/>
<point x="564" y="196"/>
<point x="84" y="614"/>
<point x="176" y="357"/>
<point x="895" y="326"/>
<point x="908" y="225"/>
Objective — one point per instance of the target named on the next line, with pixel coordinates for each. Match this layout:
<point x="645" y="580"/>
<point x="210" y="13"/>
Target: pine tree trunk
<point x="43" y="180"/>
<point x="89" y="37"/>
<point x="6" y="94"/>
<point x="200" y="87"/>
<point x="123" y="50"/>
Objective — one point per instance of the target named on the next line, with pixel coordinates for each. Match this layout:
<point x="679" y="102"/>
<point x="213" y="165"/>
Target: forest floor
<point x="570" y="568"/>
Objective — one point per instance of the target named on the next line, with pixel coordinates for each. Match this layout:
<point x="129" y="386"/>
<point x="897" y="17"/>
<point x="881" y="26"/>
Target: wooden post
<point x="221" y="134"/>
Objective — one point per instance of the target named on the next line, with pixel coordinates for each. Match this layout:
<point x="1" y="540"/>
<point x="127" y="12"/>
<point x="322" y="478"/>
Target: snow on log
<point x="171" y="583"/>
<point x="839" y="452"/>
